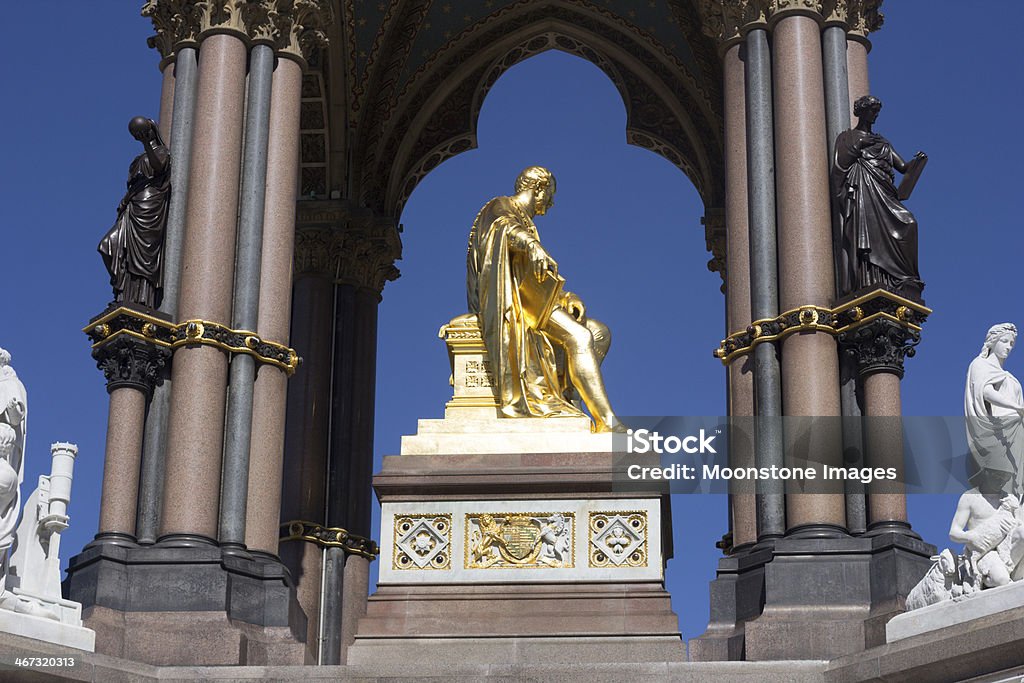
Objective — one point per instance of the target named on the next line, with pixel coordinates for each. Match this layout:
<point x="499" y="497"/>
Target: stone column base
<point x="188" y="605"/>
<point x="819" y="598"/>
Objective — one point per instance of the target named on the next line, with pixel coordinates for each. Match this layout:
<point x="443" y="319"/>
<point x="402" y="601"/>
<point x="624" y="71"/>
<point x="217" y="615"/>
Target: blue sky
<point x="625" y="230"/>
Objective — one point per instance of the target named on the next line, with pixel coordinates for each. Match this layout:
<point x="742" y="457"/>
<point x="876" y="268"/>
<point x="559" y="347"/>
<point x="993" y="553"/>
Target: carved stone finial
<point x="300" y="26"/>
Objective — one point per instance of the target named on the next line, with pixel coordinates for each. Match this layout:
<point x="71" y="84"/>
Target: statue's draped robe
<point x="879" y="234"/>
<point x="11" y="387"/>
<point x="995" y="434"/>
<point x="132" y="249"/>
<point x="522" y="359"/>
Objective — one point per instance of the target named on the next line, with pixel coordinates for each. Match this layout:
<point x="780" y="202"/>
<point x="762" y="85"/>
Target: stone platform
<point x="987" y="650"/>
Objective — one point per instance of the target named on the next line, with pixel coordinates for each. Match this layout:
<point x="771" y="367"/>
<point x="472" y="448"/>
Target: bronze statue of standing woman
<point x="133" y="248"/>
<point x="879" y="234"/>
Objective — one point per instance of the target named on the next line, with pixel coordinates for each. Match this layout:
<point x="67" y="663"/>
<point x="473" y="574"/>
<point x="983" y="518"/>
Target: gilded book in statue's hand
<point x="540" y="298"/>
<point x="914" y="168"/>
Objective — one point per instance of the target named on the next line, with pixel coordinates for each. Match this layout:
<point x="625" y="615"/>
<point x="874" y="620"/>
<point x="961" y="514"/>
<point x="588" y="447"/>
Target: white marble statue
<point x="13" y="412"/>
<point x="989" y="518"/>
<point x="994" y="408"/>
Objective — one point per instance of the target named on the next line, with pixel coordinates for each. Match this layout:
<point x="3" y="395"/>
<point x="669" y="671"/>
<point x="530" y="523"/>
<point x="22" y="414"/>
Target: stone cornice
<point x="347" y="244"/>
<point x="294" y="27"/>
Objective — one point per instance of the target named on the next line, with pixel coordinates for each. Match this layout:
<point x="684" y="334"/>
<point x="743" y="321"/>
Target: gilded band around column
<point x="846" y="317"/>
<point x="127" y="322"/>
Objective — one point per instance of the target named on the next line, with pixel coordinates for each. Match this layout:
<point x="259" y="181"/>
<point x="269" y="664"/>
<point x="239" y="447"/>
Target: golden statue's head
<point x="541" y="183"/>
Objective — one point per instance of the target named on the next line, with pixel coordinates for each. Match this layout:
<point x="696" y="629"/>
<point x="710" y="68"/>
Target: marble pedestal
<point x="66" y="629"/>
<point x="516" y="555"/>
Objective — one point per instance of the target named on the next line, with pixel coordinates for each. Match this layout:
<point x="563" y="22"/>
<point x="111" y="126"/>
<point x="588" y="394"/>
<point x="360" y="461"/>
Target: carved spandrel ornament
<point x="132" y="250"/>
<point x="878" y="233"/>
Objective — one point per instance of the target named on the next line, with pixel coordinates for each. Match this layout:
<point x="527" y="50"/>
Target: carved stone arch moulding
<point x="435" y="116"/>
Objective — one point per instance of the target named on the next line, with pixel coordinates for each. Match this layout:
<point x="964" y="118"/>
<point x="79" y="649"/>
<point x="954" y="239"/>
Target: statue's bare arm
<point x="957" y="532"/>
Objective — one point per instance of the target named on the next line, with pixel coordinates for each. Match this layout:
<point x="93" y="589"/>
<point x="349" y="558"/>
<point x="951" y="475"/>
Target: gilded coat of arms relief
<point x="520" y="540"/>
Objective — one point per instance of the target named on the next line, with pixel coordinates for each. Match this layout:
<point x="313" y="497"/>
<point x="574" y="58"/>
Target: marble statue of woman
<point x="13" y="409"/>
<point x="994" y="407"/>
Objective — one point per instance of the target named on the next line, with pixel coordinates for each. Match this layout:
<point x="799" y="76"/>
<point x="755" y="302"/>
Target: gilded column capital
<point x="727" y="21"/>
<point x="301" y="27"/>
<point x="348" y="244"/>
<point x="177" y="24"/>
<point x="714" y="239"/>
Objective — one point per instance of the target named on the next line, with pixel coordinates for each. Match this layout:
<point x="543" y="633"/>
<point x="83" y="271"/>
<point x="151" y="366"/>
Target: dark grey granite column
<point x="764" y="284"/>
<point x="837" y="119"/>
<point x="369" y="247"/>
<point x="152" y="475"/>
<point x="306" y="435"/>
<point x="263" y="512"/>
<point x="245" y="304"/>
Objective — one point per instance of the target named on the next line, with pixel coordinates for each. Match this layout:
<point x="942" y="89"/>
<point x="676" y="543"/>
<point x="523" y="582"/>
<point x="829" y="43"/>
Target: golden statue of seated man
<point x="540" y="343"/>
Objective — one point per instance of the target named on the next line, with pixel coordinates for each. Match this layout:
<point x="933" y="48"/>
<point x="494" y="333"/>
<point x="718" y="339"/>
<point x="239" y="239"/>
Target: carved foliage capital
<point x="301" y="26"/>
<point x="714" y="239"/>
<point x="176" y="22"/>
<point x="863" y="16"/>
<point x="358" y="248"/>
<point x="880" y="346"/>
<point x="295" y="27"/>
<point x="130" y="362"/>
<point x="724" y="20"/>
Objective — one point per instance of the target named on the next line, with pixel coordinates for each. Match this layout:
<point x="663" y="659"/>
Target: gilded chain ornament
<point x="839" y="321"/>
<point x="128" y="323"/>
<point x="329" y="537"/>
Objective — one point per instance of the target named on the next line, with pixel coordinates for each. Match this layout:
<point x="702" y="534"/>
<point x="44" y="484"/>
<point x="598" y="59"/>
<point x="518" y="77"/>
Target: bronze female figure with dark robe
<point x="133" y="248"/>
<point x="879" y="234"/>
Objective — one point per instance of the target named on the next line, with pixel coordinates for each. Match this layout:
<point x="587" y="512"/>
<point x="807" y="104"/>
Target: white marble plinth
<point x="612" y="540"/>
<point x="70" y="633"/>
<point x="951" y="613"/>
<point x="481" y="431"/>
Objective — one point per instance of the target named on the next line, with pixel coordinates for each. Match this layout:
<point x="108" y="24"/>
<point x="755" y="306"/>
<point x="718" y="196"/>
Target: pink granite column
<point x="737" y="291"/>
<point x="810" y="366"/>
<point x="263" y="511"/>
<point x="199" y="373"/>
<point x="166" y="99"/>
<point x="857" y="48"/>
<point x="121" y="463"/>
<point x="887" y="504"/>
